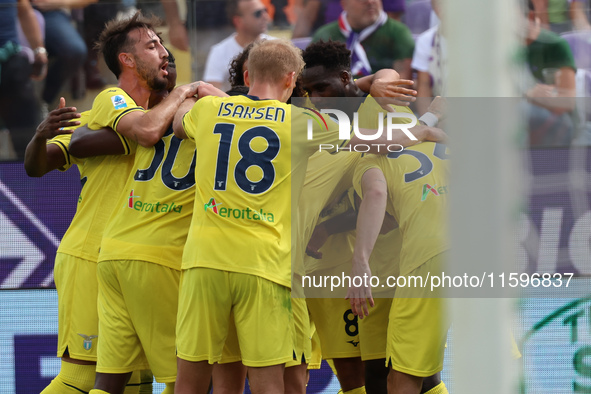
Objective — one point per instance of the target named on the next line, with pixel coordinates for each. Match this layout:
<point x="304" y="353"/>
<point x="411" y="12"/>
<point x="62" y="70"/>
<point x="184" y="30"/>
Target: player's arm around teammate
<point x="148" y="127"/>
<point x="88" y="143"/>
<point x="41" y="158"/>
<point x="387" y="87"/>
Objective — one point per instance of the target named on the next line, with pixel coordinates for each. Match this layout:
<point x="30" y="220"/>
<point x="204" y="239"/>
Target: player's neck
<point x="266" y="91"/>
<point x="137" y="89"/>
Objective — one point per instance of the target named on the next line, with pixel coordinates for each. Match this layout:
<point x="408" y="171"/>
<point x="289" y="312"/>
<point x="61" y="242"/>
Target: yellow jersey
<point x="417" y="181"/>
<point x="327" y="178"/>
<point x="251" y="158"/>
<point x="152" y="216"/>
<point x="338" y="249"/>
<point x="102" y="177"/>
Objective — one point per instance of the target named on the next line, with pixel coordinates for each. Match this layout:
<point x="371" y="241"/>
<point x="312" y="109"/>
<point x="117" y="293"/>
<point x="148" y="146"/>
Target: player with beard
<point x="75" y="262"/>
<point x="134" y="53"/>
<point x="75" y="267"/>
<point x="151" y="239"/>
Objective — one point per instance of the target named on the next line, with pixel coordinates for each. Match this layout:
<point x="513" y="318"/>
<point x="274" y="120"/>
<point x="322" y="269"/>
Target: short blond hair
<point x="271" y="60"/>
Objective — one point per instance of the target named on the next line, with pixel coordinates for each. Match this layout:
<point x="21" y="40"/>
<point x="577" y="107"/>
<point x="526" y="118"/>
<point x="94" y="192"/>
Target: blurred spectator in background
<point x="430" y="62"/>
<point x="552" y="90"/>
<point x="251" y="20"/>
<point x="562" y="15"/>
<point x="95" y="17"/>
<point x="315" y="13"/>
<point x="375" y="40"/>
<point x="66" y="48"/>
<point x="19" y="108"/>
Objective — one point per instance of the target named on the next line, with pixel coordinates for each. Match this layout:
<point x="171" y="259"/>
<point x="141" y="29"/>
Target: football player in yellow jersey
<point x="239" y="242"/>
<point x="245" y="186"/>
<point x="141" y="250"/>
<point x="134" y="53"/>
<point x="412" y="186"/>
<point x="327" y="74"/>
<point x="385" y="82"/>
<point x="328" y="176"/>
<point x="75" y="277"/>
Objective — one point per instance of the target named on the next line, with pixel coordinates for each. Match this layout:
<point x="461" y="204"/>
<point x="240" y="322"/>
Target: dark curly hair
<point x="333" y="55"/>
<point x="236" y="72"/>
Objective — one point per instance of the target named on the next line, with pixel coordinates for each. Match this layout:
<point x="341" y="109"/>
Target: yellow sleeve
<point x="109" y="107"/>
<point x="190" y="118"/>
<point x="129" y="145"/>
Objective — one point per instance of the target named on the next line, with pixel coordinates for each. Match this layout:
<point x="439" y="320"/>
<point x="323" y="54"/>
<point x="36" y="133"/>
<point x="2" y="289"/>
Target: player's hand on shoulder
<point x="188" y="90"/>
<point x="207" y="89"/>
<point x="397" y="92"/>
<point x="57" y="120"/>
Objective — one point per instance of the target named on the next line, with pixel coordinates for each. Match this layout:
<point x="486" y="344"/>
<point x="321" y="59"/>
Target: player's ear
<point x="126" y="59"/>
<point x="290" y="79"/>
<point x="246" y="78"/>
<point x="345" y="77"/>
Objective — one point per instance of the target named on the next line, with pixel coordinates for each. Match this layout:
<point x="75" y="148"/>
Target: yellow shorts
<point x="77" y="292"/>
<point x="417" y="330"/>
<point x="137" y="305"/>
<point x="316" y="360"/>
<point x="262" y="313"/>
<point x="231" y="351"/>
<point x="337" y="327"/>
<point x="303" y="333"/>
<point x="373" y="330"/>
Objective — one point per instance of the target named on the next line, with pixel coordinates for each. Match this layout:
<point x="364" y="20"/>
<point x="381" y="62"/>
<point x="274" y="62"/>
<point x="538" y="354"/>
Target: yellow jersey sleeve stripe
<point x="118" y="118"/>
<point x="125" y="144"/>
<point x="65" y="151"/>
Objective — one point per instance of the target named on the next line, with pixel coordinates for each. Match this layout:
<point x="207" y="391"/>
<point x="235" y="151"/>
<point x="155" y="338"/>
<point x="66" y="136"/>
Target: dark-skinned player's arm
<point x="88" y="143"/>
<point x="40" y="157"/>
<point x="387" y="87"/>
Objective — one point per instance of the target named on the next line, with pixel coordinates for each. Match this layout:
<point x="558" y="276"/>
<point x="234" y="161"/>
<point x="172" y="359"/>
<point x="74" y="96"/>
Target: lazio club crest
<point x="88" y="340"/>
